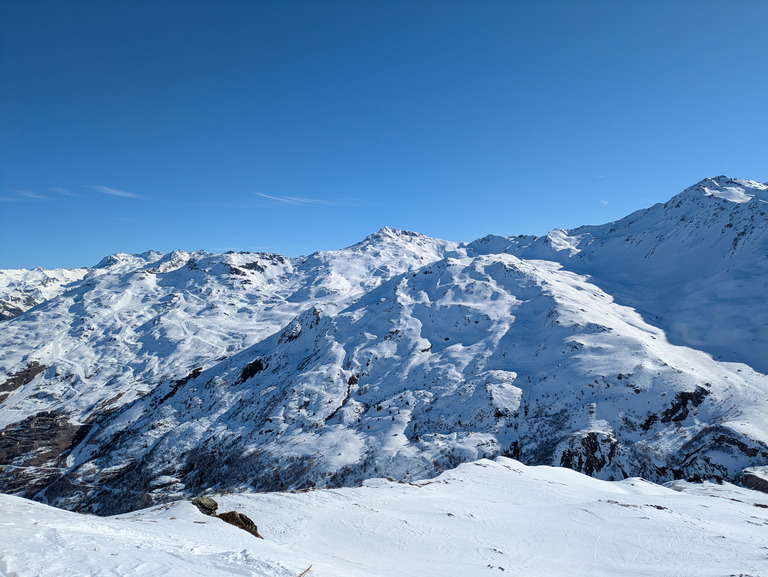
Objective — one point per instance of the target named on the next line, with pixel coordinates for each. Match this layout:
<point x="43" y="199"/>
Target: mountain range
<point x="637" y="348"/>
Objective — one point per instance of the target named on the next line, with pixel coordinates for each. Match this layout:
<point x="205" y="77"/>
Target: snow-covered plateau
<point x="638" y="348"/>
<point x="485" y="518"/>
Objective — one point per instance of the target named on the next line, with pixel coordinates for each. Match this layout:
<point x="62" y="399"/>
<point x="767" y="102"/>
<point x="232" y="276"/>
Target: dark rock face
<point x="206" y="505"/>
<point x="756" y="478"/>
<point x="8" y="311"/>
<point x="20" y="378"/>
<point x="34" y="451"/>
<point x="679" y="409"/>
<point x="589" y="453"/>
<point x="250" y="370"/>
<point x="242" y="521"/>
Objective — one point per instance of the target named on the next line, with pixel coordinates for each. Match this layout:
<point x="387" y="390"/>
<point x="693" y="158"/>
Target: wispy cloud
<point x="114" y="191"/>
<point x="603" y="202"/>
<point x="63" y="191"/>
<point x="27" y="195"/>
<point x="302" y="201"/>
<point x="33" y="195"/>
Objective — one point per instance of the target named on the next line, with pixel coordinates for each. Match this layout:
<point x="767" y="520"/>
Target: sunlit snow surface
<point x="634" y="348"/>
<point x="484" y="518"/>
<point x="21" y="289"/>
<point x="136" y="320"/>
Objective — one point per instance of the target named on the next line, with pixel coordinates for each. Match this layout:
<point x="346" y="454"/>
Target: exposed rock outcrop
<point x="756" y="478"/>
<point x="242" y="521"/>
<point x="208" y="506"/>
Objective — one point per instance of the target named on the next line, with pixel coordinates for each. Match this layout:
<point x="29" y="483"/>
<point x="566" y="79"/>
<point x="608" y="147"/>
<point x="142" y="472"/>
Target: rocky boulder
<point x="755" y="478"/>
<point x="206" y="505"/>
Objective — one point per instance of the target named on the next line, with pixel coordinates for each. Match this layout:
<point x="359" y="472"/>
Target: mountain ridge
<point x="405" y="354"/>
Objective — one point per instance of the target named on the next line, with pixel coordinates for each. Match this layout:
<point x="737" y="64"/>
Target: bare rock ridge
<point x="601" y="349"/>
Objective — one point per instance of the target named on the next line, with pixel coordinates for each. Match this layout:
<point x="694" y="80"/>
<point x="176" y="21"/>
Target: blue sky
<point x="295" y="126"/>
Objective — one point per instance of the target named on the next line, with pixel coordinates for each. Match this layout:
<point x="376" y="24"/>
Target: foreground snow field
<point x="483" y="518"/>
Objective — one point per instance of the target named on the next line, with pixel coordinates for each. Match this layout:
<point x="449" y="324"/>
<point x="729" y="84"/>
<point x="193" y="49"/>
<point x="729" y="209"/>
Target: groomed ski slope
<point x="483" y="518"/>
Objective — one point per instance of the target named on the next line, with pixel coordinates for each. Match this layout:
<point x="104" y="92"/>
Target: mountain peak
<point x="387" y="233"/>
<point x="730" y="189"/>
<point x="129" y="260"/>
<point x="390" y="239"/>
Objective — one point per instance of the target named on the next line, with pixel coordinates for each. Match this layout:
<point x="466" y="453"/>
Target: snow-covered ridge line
<point x="695" y="265"/>
<point x="631" y="348"/>
<point x="465" y="358"/>
<point x="734" y="190"/>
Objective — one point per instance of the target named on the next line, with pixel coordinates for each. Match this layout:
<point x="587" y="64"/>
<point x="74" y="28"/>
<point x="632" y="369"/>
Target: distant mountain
<point x="22" y="289"/>
<point x="158" y="376"/>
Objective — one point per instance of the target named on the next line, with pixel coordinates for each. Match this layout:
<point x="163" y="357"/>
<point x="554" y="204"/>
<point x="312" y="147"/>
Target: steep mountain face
<point x="464" y="359"/>
<point x="137" y="320"/>
<point x="696" y="266"/>
<point x="159" y="376"/>
<point x="22" y="289"/>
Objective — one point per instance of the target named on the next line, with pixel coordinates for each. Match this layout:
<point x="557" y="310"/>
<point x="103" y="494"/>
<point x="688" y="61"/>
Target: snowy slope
<point x="22" y="289"/>
<point x="466" y="358"/>
<point x="482" y="519"/>
<point x="695" y="266"/>
<point x="135" y="320"/>
<point x="159" y="376"/>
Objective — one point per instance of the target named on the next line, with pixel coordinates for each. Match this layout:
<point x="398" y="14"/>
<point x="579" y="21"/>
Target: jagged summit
<point x="414" y="241"/>
<point x="387" y="232"/>
<point x="732" y="189"/>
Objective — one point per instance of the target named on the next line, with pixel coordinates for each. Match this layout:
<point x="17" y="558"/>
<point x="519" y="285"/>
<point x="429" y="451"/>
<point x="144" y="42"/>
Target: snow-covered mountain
<point x="695" y="266"/>
<point x="484" y="518"/>
<point x="136" y="320"/>
<point x="635" y="348"/>
<point x="22" y="289"/>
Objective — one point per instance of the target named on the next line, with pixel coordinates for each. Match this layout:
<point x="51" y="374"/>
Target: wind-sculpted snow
<point x="161" y="376"/>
